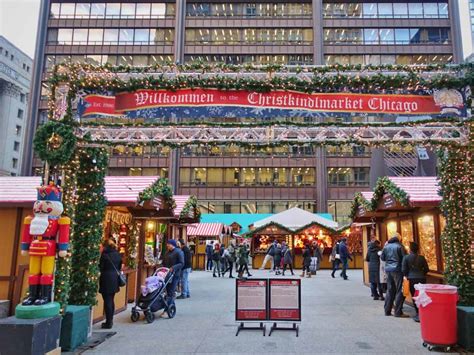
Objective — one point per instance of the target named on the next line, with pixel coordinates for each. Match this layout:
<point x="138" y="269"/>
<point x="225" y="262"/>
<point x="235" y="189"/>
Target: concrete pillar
<point x="35" y="89"/>
<point x="377" y="166"/>
<point x="179" y="31"/>
<point x="318" y="52"/>
<point x="321" y="180"/>
<point x="456" y="35"/>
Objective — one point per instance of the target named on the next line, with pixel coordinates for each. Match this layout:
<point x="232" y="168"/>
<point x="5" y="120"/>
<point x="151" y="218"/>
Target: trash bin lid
<point x="436" y="288"/>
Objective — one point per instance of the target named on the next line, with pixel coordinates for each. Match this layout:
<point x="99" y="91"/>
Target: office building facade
<point x="15" y="77"/>
<point x="232" y="179"/>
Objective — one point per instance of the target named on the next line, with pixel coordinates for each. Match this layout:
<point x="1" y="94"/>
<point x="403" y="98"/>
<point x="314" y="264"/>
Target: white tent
<point x="295" y="218"/>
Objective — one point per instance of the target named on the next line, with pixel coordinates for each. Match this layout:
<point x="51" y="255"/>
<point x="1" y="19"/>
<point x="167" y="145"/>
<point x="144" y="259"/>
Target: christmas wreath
<point x="55" y="142"/>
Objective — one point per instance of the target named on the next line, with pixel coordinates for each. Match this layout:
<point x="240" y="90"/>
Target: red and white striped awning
<point x="206" y="229"/>
<point x="125" y="189"/>
<point x="180" y="201"/>
<point x="18" y="191"/>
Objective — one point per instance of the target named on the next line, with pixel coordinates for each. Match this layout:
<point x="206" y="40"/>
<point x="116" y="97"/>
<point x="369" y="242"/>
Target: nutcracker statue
<point x="44" y="233"/>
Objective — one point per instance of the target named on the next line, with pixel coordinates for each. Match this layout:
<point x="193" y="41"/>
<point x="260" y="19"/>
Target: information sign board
<point x="251" y="300"/>
<point x="285" y="300"/>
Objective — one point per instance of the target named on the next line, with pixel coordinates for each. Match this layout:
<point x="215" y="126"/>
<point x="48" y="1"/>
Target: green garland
<point x="457" y="185"/>
<point x="55" y="142"/>
<point x="190" y="205"/>
<point x="132" y="245"/>
<point x="359" y="200"/>
<point x="159" y="188"/>
<point x="89" y="216"/>
<point x="385" y="185"/>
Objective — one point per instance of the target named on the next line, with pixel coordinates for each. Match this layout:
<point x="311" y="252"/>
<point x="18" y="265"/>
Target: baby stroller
<point x="155" y="301"/>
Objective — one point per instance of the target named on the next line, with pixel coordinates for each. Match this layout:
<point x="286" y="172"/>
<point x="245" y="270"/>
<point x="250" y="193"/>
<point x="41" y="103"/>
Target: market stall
<point x="297" y="227"/>
<point x="408" y="207"/>
<point x="201" y="234"/>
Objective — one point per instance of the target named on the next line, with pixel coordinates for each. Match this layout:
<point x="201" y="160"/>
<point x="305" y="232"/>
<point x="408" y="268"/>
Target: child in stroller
<point x="153" y="297"/>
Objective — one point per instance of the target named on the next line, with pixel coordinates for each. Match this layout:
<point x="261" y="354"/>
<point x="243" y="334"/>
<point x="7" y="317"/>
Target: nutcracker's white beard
<point x="39" y="224"/>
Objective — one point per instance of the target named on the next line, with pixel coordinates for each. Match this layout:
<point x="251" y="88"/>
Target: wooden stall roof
<point x="20" y="191"/>
<point x="420" y="189"/>
<point x="207" y="229"/>
<point x="296" y="218"/>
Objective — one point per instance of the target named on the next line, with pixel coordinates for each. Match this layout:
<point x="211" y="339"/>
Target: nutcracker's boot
<point x="32" y="295"/>
<point x="45" y="295"/>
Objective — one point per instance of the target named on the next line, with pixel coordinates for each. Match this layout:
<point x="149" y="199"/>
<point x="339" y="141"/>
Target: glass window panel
<point x="184" y="176"/>
<point x="328" y="10"/>
<point x="80" y="36"/>
<point x="402" y="36"/>
<point x="403" y="59"/>
<point x="416" y="35"/>
<point x="97" y="10"/>
<point x="67" y="10"/>
<point x="385" y="10"/>
<point x="110" y="36"/>
<point x="231" y="176"/>
<point x="392" y="229"/>
<point x="65" y="36"/>
<point x="415" y="10"/>
<point x="52" y="35"/>
<point x="128" y="10"/>
<point x="170" y="9"/>
<point x="354" y="10"/>
<point x="96" y="35"/>
<point x="140" y="60"/>
<point x="302" y="176"/>
<point x="247" y="176"/>
<point x="264" y="207"/>
<point x="94" y="59"/>
<point x="149" y="171"/>
<point x="158" y="10"/>
<point x="49" y="63"/>
<point x="444" y="35"/>
<point x="160" y="59"/>
<point x="143" y="10"/>
<point x="198" y="176"/>
<point x="400" y="10"/>
<point x="125" y="60"/>
<point x="369" y="10"/>
<point x="372" y="59"/>
<point x="371" y="36"/>
<point x="109" y="59"/>
<point x="54" y="10"/>
<point x="426" y="234"/>
<point x="63" y="59"/>
<point x="430" y="9"/>
<point x="265" y="176"/>
<point x="443" y="10"/>
<point x="135" y="172"/>
<point x="387" y="36"/>
<point x="142" y="36"/>
<point x="112" y="10"/>
<point x="83" y="10"/>
<point x="280" y="206"/>
<point x="406" y="233"/>
<point x="356" y="59"/>
<point x="126" y="36"/>
<point x="214" y="176"/>
<point x="248" y="207"/>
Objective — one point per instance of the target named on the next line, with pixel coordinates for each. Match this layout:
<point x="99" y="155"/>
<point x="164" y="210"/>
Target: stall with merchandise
<point x="409" y="208"/>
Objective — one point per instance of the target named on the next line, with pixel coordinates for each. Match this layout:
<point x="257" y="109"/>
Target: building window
<point x="251" y="207"/>
<point x="348" y="151"/>
<point x="402" y="59"/>
<point x="348" y="176"/>
<point x="18" y="130"/>
<point x="14" y="163"/>
<point x="340" y="210"/>
<point x="20" y="113"/>
<point x="22" y="98"/>
<point x="16" y="146"/>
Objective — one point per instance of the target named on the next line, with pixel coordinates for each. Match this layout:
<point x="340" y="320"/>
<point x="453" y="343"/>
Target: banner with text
<point x="151" y="105"/>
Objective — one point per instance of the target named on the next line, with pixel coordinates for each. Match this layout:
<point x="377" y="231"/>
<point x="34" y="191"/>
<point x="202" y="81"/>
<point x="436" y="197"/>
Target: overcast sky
<point x="19" y="20"/>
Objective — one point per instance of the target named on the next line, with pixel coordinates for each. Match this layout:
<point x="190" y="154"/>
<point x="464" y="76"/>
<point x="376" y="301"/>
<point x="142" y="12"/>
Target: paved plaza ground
<point x="339" y="317"/>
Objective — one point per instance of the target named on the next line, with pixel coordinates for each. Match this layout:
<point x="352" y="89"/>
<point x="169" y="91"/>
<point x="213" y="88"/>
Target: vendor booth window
<point x="261" y="242"/>
<point x="392" y="229"/>
<point x="427" y="240"/>
<point x="406" y="226"/>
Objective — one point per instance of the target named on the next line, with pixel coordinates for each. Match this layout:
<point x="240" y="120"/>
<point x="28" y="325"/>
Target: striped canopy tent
<point x="20" y="191"/>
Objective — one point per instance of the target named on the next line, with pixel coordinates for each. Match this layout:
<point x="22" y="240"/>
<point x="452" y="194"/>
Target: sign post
<point x="284" y="303"/>
<point x="251" y="303"/>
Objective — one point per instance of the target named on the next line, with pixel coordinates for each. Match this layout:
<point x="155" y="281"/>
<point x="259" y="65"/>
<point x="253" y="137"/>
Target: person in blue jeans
<point x="345" y="257"/>
<point x="185" y="271"/>
<point x="173" y="260"/>
<point x="393" y="254"/>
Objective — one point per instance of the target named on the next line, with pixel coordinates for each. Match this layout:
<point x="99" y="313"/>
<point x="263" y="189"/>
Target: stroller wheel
<point x="135" y="316"/>
<point x="171" y="311"/>
<point x="150" y="317"/>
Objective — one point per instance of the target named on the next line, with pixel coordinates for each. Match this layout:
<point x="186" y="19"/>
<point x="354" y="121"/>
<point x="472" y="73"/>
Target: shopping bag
<point x="314" y="264"/>
<point x="406" y="288"/>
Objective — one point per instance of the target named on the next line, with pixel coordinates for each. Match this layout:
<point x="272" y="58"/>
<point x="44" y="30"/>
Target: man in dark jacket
<point x="335" y="258"/>
<point x="209" y="251"/>
<point x="185" y="271"/>
<point x="393" y="254"/>
<point x="174" y="260"/>
<point x="415" y="268"/>
<point x="373" y="259"/>
<point x="345" y="257"/>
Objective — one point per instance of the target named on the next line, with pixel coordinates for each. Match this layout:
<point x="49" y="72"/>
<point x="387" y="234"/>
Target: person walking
<point x="243" y="257"/>
<point x="335" y="258"/>
<point x="345" y="257"/>
<point x="306" y="261"/>
<point x="287" y="259"/>
<point x="109" y="264"/>
<point x="209" y="252"/>
<point x="174" y="261"/>
<point x="230" y="256"/>
<point x="373" y="259"/>
<point x="317" y="253"/>
<point x="393" y="254"/>
<point x="223" y="258"/>
<point x="185" y="271"/>
<point x="414" y="268"/>
<point x="216" y="260"/>
<point x="269" y="256"/>
<point x="277" y="259"/>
